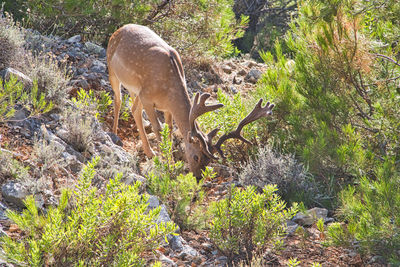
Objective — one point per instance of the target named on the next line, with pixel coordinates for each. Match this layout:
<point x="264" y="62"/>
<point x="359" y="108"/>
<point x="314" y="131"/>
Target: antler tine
<point x="257" y="113"/>
<point x="199" y="108"/>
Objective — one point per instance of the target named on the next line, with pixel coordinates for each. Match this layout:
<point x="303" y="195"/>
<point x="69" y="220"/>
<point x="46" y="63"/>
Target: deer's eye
<point x="196" y="158"/>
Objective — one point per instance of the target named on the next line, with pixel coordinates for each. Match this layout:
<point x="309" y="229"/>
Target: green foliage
<point x="320" y="225"/>
<point x="372" y="210"/>
<point x="227" y="119"/>
<point x="245" y="222"/>
<point x="181" y="193"/>
<point x="87" y="228"/>
<point x="195" y="27"/>
<point x="125" y="110"/>
<point x="336" y="102"/>
<point x="292" y="262"/>
<point x="340" y="235"/>
<point x="98" y="106"/>
<point x="13" y="93"/>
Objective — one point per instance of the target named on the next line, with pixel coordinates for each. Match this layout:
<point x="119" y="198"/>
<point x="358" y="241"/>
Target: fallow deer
<point x="152" y="71"/>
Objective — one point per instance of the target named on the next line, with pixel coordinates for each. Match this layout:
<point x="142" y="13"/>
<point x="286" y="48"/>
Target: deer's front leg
<point x="137" y="109"/>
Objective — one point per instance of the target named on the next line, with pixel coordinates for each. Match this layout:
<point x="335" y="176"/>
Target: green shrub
<point x="336" y="102"/>
<point x="87" y="228"/>
<point x="88" y="102"/>
<point x="194" y="27"/>
<point x="182" y="194"/>
<point x="13" y="94"/>
<point x="246" y="222"/>
<point x="372" y="212"/>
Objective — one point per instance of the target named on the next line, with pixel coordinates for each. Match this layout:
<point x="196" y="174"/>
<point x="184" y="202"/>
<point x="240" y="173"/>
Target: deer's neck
<point x="180" y="112"/>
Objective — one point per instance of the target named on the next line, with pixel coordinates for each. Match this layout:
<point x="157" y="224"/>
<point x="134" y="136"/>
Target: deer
<point x="152" y="73"/>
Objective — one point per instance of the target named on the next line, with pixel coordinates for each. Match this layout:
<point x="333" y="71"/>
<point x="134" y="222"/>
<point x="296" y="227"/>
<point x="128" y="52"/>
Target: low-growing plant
<point x="46" y="160"/>
<point x="125" y="110"/>
<point x="11" y="91"/>
<point x="97" y="106"/>
<point x="372" y="213"/>
<point x="13" y="95"/>
<point x="340" y="235"/>
<point x="79" y="130"/>
<point x="294" y="182"/>
<point x="51" y="79"/>
<point x="321" y="227"/>
<point x="11" y="168"/>
<point x="11" y="42"/>
<point x="87" y="228"/>
<point x="292" y="262"/>
<point x="245" y="222"/>
<point x="181" y="193"/>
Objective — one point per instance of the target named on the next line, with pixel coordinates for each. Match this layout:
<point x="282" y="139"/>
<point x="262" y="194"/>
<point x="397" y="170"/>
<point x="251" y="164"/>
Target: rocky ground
<point x="87" y="67"/>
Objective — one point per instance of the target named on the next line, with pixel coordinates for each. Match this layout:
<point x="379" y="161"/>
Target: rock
<point x="188" y="253"/>
<point x="153" y="202"/>
<point x="311" y="216"/>
<point x="98" y="66"/>
<point x="237" y="80"/>
<point x="14" y="193"/>
<point x="166" y="261"/>
<point x="81" y="83"/>
<point x="74" y="39"/>
<point x="253" y="75"/>
<point x="233" y="89"/>
<point x="22" y="78"/>
<point x="96" y="49"/>
<point x="3" y="209"/>
<point x="115" y="139"/>
<point x="291" y="227"/>
<point x="175" y="242"/>
<point x="227" y="69"/>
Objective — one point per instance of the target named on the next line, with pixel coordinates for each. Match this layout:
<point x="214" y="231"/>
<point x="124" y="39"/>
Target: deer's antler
<point x="257" y="113"/>
<point x="199" y="108"/>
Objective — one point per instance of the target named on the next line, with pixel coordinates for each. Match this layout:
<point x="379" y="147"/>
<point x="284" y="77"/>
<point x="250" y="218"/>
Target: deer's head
<point x="200" y="148"/>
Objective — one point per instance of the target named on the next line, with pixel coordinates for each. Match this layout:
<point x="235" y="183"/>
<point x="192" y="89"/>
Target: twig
<point x="388" y="58"/>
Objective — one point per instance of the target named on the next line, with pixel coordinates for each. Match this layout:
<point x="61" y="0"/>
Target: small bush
<point x="51" y="79"/>
<point x="11" y="168"/>
<point x="97" y="106"/>
<point x="110" y="165"/>
<point x="294" y="182"/>
<point x="11" y="42"/>
<point x="181" y="193"/>
<point x="372" y="213"/>
<point x="46" y="157"/>
<point x="10" y="94"/>
<point x="79" y="128"/>
<point x="88" y="228"/>
<point x="13" y="95"/>
<point x="245" y="222"/>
